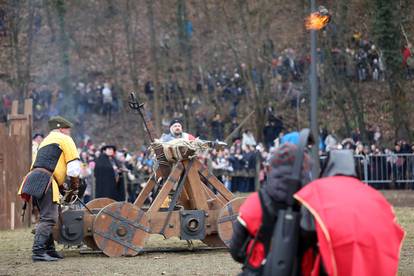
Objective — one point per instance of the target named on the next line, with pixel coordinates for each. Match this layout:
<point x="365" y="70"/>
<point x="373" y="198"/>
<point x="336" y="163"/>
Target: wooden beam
<point x="198" y="197"/>
<point x="210" y="178"/>
<point x="143" y="195"/>
<point x="173" y="178"/>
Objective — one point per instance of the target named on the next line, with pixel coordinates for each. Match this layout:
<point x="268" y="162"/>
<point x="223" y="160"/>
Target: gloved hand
<point x="74" y="183"/>
<point x="72" y="193"/>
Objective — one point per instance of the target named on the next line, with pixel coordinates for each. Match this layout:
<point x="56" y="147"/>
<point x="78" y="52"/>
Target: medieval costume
<point x="56" y="158"/>
<point x="356" y="227"/>
<point x="257" y="216"/>
<point x="107" y="176"/>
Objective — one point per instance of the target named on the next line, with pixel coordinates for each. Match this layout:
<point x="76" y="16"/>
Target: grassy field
<point x="15" y="253"/>
<point x="406" y="219"/>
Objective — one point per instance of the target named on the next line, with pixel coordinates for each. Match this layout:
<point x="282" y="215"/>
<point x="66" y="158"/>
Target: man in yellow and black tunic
<point x="57" y="158"/>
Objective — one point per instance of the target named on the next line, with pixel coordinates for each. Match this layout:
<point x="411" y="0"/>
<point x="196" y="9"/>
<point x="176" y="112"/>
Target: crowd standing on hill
<point x="99" y="97"/>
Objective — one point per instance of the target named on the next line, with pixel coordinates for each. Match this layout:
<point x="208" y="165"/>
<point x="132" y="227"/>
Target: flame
<point x="316" y="21"/>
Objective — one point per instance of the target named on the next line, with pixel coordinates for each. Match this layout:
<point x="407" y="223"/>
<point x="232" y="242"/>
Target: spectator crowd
<point x="243" y="165"/>
<point x="91" y="98"/>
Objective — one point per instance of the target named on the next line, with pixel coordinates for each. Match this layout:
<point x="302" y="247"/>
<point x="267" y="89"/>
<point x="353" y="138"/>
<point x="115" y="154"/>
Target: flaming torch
<point x="318" y="20"/>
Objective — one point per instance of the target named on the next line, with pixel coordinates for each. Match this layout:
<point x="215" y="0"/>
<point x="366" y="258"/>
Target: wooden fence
<point x="15" y="160"/>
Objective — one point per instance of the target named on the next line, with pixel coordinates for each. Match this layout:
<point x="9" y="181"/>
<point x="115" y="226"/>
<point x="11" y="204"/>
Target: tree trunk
<point x="184" y="38"/>
<point x="155" y="66"/>
<point x="112" y="39"/>
<point x="15" y="26"/>
<point x="29" y="51"/>
<point x="400" y="109"/>
<point x="50" y="20"/>
<point x="131" y="46"/>
<point x="251" y="64"/>
<point x="68" y="106"/>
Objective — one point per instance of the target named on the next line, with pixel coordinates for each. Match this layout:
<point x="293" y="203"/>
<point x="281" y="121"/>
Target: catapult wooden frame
<point x="121" y="228"/>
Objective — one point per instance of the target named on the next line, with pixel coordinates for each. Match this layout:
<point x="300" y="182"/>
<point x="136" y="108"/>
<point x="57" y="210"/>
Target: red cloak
<point x="357" y="230"/>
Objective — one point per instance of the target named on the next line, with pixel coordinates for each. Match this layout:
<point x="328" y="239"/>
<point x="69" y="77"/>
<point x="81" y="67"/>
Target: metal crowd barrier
<point x="386" y="170"/>
<point x="382" y="171"/>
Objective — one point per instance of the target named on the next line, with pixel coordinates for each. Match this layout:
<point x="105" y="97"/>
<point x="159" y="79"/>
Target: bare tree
<point x="21" y="41"/>
<point x="63" y="43"/>
<point x="128" y="16"/>
<point x="155" y="65"/>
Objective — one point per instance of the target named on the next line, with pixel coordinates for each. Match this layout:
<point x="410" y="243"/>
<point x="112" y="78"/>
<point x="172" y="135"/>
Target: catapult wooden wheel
<point x="228" y="214"/>
<point x="121" y="229"/>
<point x="93" y="205"/>
<point x="99" y="203"/>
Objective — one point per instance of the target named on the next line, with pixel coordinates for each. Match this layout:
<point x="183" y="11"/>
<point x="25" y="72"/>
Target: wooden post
<point x="15" y="160"/>
<point x="12" y="211"/>
<point x="15" y="108"/>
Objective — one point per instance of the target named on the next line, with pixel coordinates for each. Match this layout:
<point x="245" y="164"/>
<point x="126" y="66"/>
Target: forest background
<point x="58" y="44"/>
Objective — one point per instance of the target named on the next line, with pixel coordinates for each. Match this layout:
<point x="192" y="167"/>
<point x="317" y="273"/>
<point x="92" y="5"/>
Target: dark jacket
<point x="253" y="229"/>
<point x="107" y="179"/>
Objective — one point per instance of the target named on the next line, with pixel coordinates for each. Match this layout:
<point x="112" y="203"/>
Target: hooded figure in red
<point x="252" y="231"/>
<point x="356" y="227"/>
<point x="356" y="233"/>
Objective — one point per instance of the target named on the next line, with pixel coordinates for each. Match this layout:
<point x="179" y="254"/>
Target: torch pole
<point x="314" y="98"/>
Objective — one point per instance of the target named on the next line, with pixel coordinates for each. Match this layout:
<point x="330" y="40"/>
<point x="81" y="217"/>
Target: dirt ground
<point x="15" y="253"/>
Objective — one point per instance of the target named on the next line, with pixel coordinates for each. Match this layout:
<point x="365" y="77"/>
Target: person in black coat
<point x="250" y="155"/>
<point x="269" y="134"/>
<point x="107" y="175"/>
<point x="217" y="128"/>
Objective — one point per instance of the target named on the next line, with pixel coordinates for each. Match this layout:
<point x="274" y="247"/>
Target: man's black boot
<point x="51" y="250"/>
<point x="39" y="249"/>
